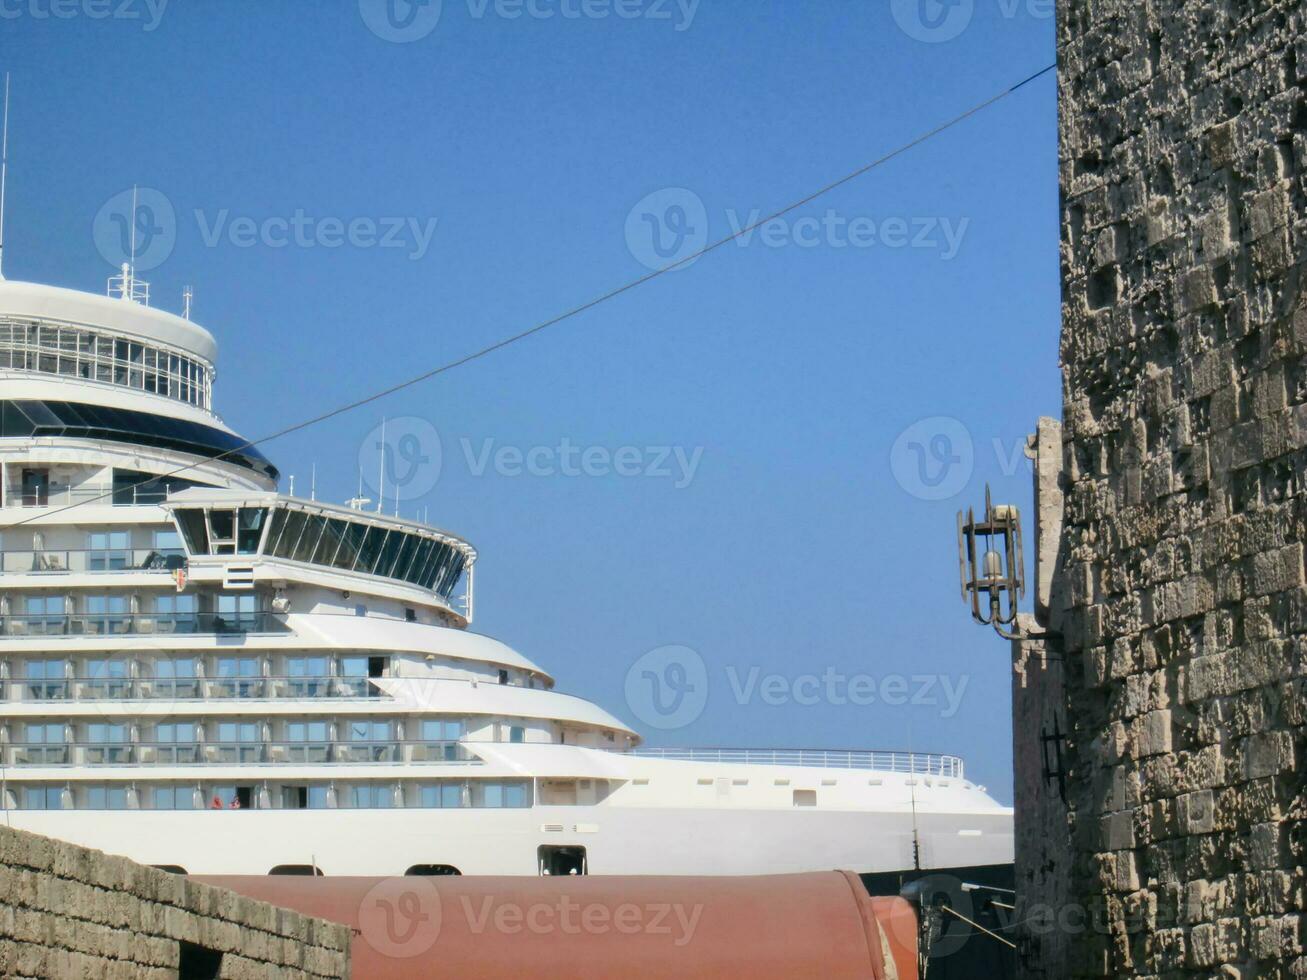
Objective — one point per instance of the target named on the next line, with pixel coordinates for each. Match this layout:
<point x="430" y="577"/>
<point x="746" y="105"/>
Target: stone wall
<point x="68" y="912"/>
<point x="1183" y="145"/>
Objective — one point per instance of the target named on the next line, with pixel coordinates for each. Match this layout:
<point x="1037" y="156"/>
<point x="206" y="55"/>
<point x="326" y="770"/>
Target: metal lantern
<point x="991" y="565"/>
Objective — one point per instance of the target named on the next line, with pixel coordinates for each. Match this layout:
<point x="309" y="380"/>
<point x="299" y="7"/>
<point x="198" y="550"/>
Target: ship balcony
<point x="49" y="494"/>
<point x="86" y="560"/>
<point x="348" y="752"/>
<point x="122" y="624"/>
<point x="124" y="688"/>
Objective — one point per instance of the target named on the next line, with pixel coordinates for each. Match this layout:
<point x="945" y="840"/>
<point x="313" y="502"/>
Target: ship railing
<point x="924" y="763"/>
<point x="122" y="688"/>
<point x="140" y="624"/>
<point x="347" y="752"/>
<point x="64" y="494"/>
<point x="92" y="560"/>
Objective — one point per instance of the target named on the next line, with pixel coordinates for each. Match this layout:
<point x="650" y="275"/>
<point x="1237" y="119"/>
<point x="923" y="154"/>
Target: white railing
<point x="924" y="763"/>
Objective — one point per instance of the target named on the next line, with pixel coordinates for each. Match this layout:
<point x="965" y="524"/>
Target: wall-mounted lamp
<point x="991" y="566"/>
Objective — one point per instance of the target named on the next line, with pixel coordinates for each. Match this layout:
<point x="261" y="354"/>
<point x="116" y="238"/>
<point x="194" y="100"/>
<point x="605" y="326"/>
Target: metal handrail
<point x="921" y="763"/>
<point x="124" y="624"/>
<point x="274" y="751"/>
<point x="61" y="494"/>
<point x="43" y="560"/>
<point x="269" y="687"/>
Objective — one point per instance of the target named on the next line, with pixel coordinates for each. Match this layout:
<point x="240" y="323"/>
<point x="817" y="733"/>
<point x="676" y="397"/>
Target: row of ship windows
<point x="61" y="613"/>
<point x="217" y="676"/>
<point x="78" y="353"/>
<point x="447" y="794"/>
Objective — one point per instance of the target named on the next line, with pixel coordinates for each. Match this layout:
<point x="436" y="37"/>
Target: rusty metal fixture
<point x="992" y="566"/>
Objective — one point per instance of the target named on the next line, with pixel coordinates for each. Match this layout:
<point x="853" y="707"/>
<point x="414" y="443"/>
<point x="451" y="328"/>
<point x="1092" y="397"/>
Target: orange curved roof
<point x="774" y="927"/>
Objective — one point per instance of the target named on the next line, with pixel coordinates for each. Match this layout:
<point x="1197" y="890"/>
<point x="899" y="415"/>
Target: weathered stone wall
<point x="1184" y="227"/>
<point x="67" y="912"/>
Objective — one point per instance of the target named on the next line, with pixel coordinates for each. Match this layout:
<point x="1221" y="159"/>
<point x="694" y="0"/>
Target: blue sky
<point x="351" y="210"/>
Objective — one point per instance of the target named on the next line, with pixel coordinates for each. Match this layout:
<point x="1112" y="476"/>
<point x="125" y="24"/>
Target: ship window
<point x="517" y="734"/>
<point x="421" y="559"/>
<point x="432" y="870"/>
<point x="106" y="613"/>
<point x="168" y="542"/>
<point x="191" y="522"/>
<point x="444" y="795"/>
<point x="350" y="544"/>
<point x="308" y="541"/>
<point x="370" y="550"/>
<point x="232" y="797"/>
<point x="389" y="552"/>
<point x="405" y="557"/>
<point x="46" y="679"/>
<point x="222" y="529"/>
<point x="43" y="798"/>
<point x="332" y="532"/>
<point x="286" y="542"/>
<point x="250" y="529"/>
<point x="373" y="797"/>
<point x="307" y="870"/>
<point x="173" y="798"/>
<point x="106" y="797"/>
<point x="108" y="551"/>
<point x="805" y="797"/>
<point x="306" y="731"/>
<point x="503" y="676"/>
<point x="435" y="730"/>
<point x="44" y="734"/>
<point x="275" y="531"/>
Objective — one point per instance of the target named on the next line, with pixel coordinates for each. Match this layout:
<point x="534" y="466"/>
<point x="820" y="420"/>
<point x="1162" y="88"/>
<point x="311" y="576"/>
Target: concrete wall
<point x="1184" y="216"/>
<point x="68" y="912"/>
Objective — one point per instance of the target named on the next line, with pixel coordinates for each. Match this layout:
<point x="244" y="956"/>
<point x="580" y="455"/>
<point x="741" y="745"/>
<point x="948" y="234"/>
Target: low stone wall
<point x="69" y="912"/>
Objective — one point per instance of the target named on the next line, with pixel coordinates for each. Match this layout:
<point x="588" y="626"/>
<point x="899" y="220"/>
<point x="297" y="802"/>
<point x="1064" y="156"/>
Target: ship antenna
<point x="381" y="465"/>
<point x="313" y="482"/>
<point x="187" y="295"/>
<point x="4" y="173"/>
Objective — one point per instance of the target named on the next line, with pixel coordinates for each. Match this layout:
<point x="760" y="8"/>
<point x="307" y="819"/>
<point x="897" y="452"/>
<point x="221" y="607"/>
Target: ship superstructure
<point x="202" y="673"/>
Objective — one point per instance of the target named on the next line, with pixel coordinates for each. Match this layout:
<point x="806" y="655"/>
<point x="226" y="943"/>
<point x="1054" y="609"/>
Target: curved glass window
<point x="76" y="352"/>
<point x="31" y="419"/>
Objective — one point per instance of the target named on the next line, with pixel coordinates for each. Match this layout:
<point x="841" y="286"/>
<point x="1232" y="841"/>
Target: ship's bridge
<point x="242" y="537"/>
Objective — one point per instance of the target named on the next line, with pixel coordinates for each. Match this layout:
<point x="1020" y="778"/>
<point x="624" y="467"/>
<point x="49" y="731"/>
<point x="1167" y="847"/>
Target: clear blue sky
<point x="803" y="541"/>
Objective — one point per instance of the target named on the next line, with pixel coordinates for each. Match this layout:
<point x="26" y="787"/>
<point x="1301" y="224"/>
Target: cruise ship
<point x="207" y="675"/>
